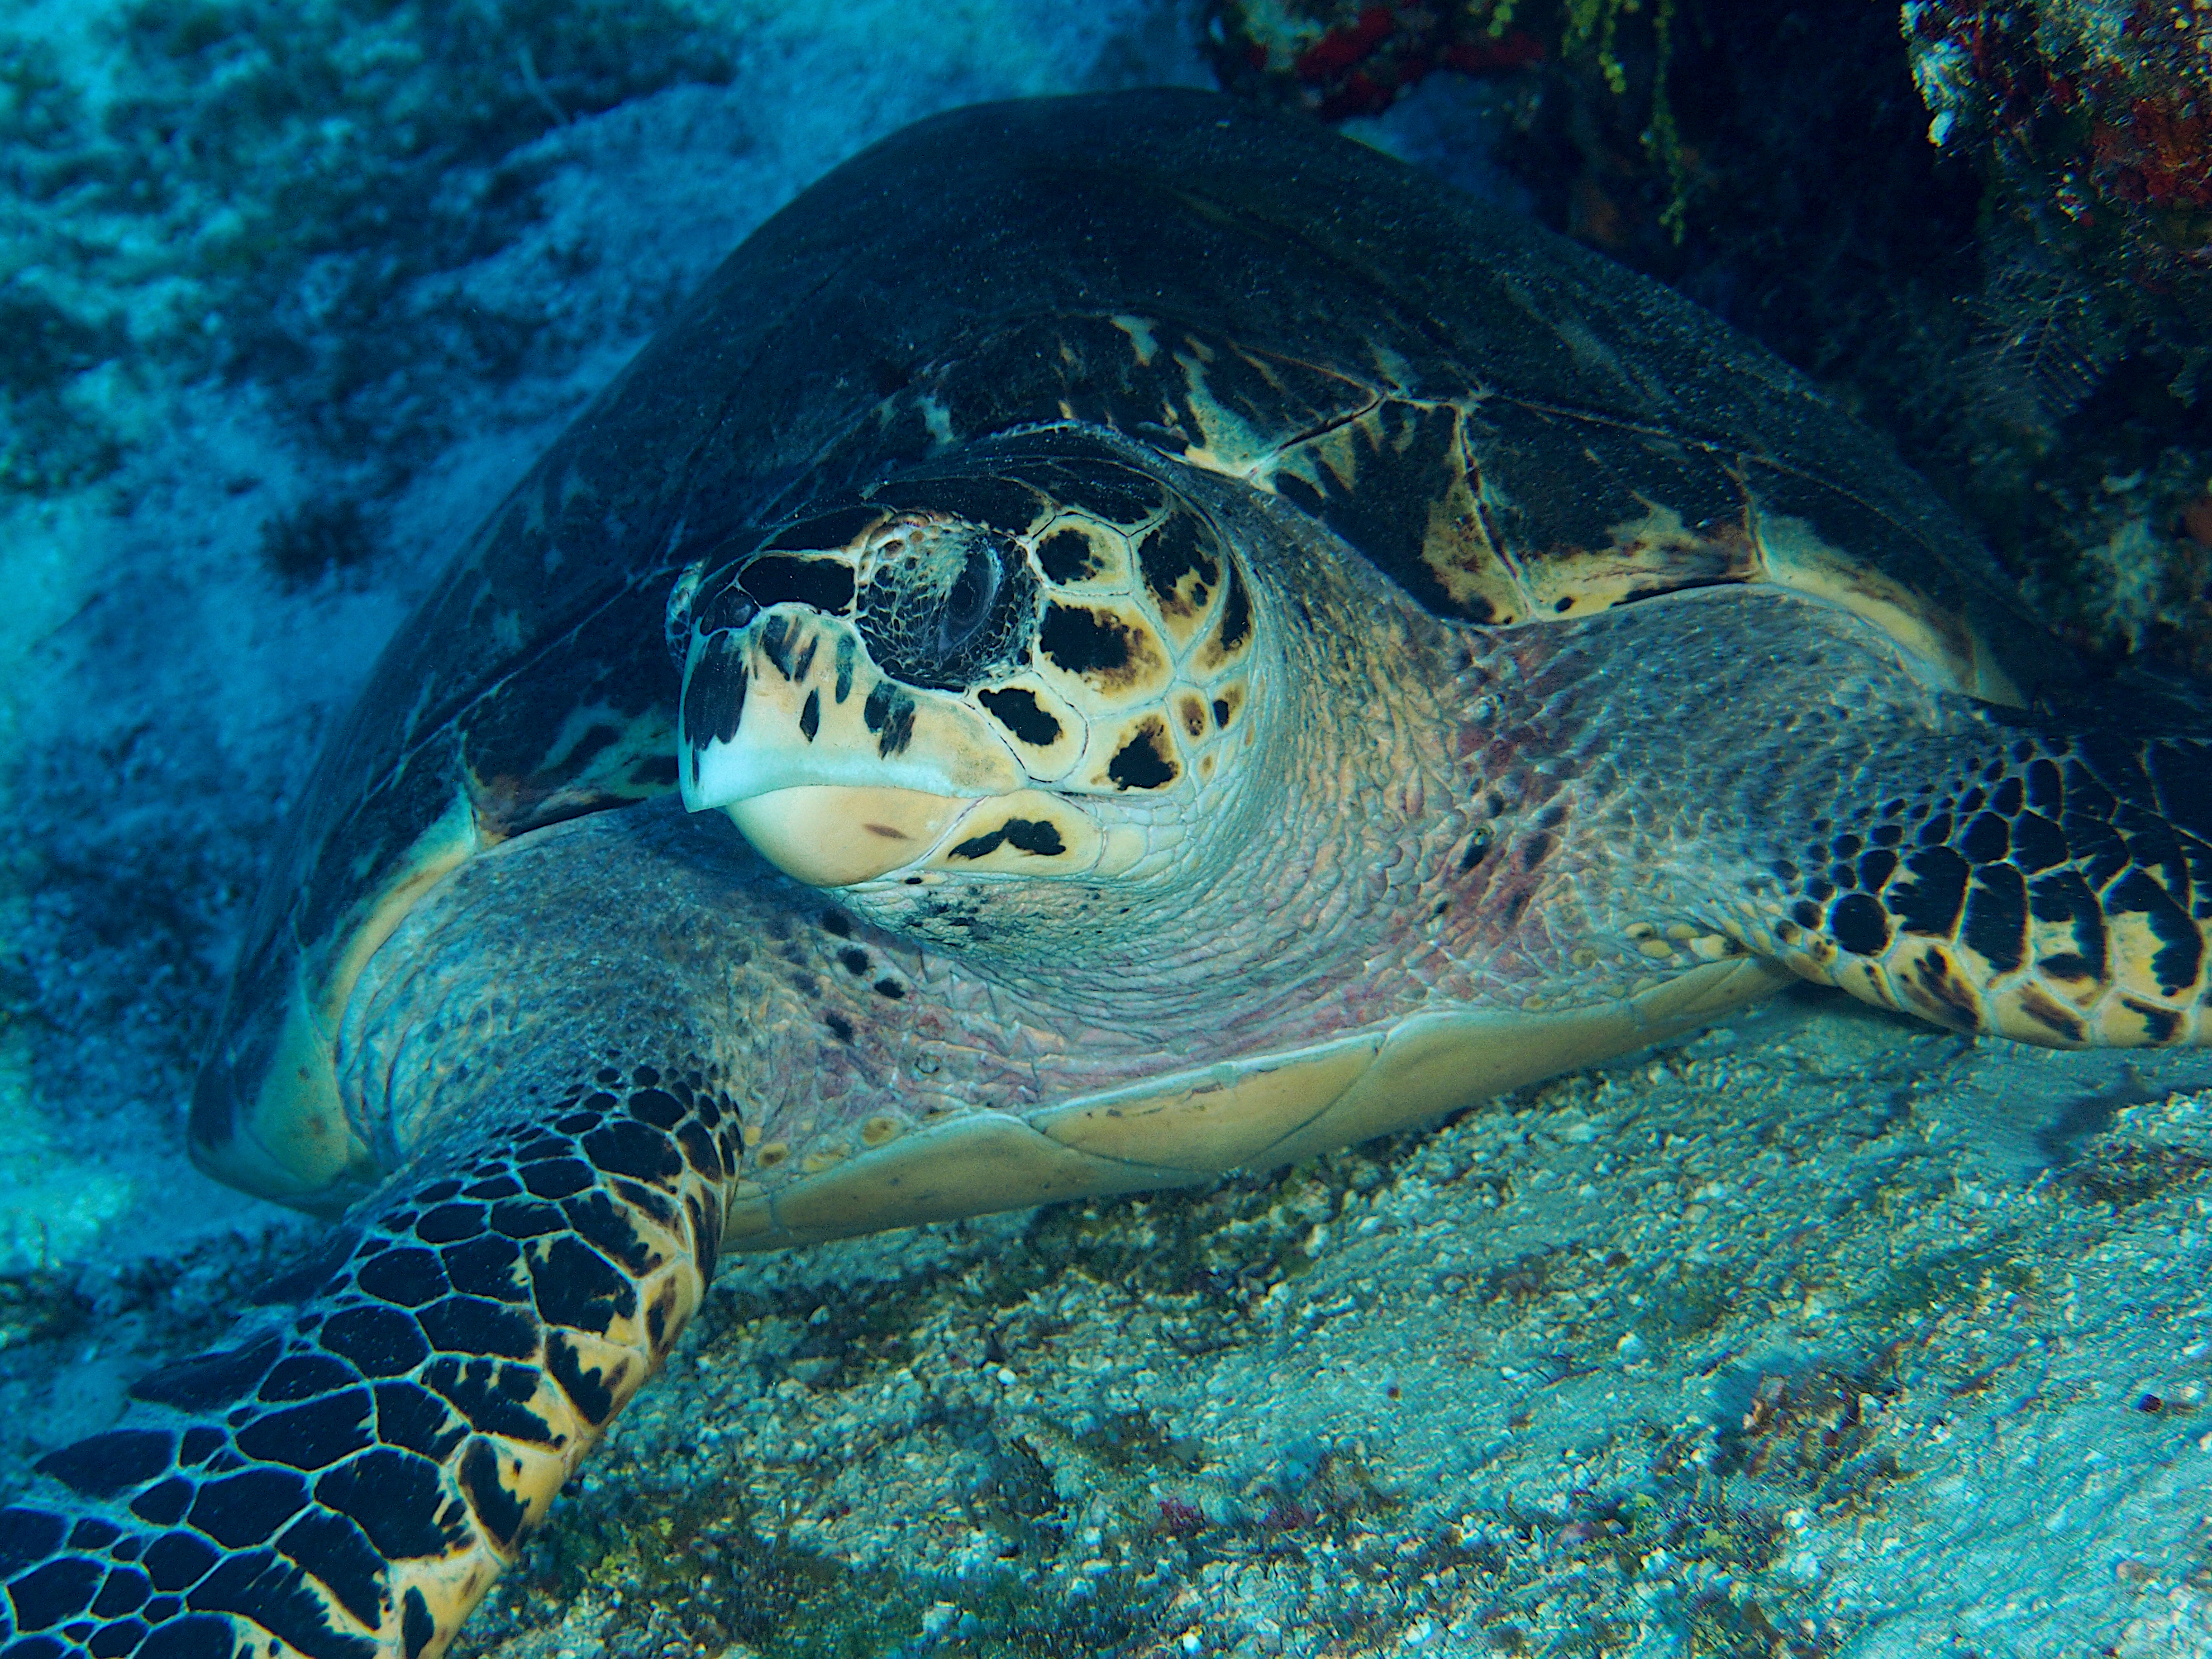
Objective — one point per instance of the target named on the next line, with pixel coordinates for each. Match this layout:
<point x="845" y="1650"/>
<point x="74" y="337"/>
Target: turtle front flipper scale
<point x="2047" y="885"/>
<point x="347" y="1476"/>
<point x="348" y="1471"/>
<point x="2047" y="877"/>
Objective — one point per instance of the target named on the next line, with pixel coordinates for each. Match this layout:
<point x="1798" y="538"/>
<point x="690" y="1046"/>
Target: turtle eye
<point x="953" y="608"/>
<point x="968" y="603"/>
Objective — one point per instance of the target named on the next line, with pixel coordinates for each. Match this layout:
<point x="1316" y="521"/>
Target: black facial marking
<point x="714" y="694"/>
<point x="1145" y="762"/>
<point x="810" y="717"/>
<point x="1081" y="640"/>
<point x="840" y="1027"/>
<point x="1078" y="471"/>
<point x="889" y="712"/>
<point x="839" y="527"/>
<point x="1235" y="615"/>
<point x="1068" y="556"/>
<point x="1025" y="834"/>
<point x="1172" y="552"/>
<point x="1020" y="712"/>
<point x="1005" y="504"/>
<point x="778" y="641"/>
<point x="847" y="653"/>
<point x="826" y="585"/>
<point x="855" y="961"/>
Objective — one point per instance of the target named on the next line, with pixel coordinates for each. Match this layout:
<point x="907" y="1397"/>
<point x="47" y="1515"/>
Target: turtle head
<point x="1033" y="662"/>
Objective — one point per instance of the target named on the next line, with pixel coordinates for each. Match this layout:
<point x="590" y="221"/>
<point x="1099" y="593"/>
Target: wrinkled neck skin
<point x="1318" y="859"/>
<point x="1435" y="817"/>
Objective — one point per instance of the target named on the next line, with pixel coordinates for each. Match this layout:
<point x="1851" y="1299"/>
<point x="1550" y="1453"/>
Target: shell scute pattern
<point x="1490" y="507"/>
<point x="1205" y="399"/>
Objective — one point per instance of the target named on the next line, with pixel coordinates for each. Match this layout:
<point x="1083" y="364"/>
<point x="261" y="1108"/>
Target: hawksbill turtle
<point x="1116" y="639"/>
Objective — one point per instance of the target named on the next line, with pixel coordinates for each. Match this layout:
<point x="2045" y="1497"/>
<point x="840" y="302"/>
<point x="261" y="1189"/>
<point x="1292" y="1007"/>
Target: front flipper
<point x="348" y="1477"/>
<point x="2050" y="886"/>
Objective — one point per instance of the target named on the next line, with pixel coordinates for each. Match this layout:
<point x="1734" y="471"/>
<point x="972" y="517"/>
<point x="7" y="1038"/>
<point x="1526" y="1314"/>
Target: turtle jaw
<point x="836" y="836"/>
<point x="834" y="774"/>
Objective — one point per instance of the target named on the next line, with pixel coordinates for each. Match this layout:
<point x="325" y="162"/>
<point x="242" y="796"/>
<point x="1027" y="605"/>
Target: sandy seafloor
<point x="1816" y="1334"/>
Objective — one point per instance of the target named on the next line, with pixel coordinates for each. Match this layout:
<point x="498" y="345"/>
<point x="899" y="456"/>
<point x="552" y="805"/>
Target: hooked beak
<point x="837" y="774"/>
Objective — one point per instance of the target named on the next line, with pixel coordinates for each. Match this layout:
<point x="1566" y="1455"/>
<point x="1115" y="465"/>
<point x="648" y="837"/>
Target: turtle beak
<point x="835" y="773"/>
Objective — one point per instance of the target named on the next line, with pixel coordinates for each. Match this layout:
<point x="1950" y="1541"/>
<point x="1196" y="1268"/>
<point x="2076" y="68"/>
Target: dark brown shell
<point x="1511" y="428"/>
